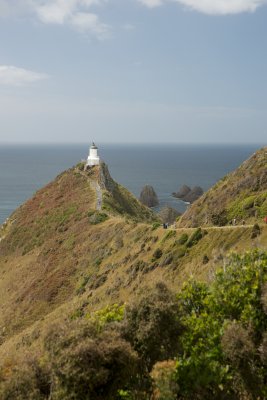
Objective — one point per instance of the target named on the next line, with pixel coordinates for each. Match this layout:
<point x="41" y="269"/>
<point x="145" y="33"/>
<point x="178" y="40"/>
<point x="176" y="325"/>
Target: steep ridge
<point x="53" y="237"/>
<point x="241" y="195"/>
<point x="61" y="257"/>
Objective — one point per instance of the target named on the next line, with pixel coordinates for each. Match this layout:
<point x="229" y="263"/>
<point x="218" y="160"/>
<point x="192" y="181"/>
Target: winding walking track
<point x="99" y="199"/>
<point x="227" y="227"/>
<point x="97" y="189"/>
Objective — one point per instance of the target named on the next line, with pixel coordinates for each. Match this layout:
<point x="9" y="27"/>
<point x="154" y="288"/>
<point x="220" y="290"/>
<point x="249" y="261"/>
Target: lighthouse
<point x="93" y="158"/>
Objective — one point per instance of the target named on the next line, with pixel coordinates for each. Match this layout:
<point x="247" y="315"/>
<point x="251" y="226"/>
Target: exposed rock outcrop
<point x="189" y="195"/>
<point x="105" y="180"/>
<point x="148" y="196"/>
<point x="182" y="192"/>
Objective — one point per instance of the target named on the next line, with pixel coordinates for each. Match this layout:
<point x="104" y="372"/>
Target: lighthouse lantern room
<point x="93" y="158"/>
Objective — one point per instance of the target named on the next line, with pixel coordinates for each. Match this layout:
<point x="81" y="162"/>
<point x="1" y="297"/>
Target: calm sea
<point x="25" y="169"/>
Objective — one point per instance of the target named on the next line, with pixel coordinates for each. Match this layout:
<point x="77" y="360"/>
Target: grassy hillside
<point x="61" y="257"/>
<point x="51" y="240"/>
<point x="242" y="195"/>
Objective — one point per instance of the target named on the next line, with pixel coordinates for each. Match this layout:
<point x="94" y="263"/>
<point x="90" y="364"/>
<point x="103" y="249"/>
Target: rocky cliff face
<point x="105" y="180"/>
<point x="148" y="196"/>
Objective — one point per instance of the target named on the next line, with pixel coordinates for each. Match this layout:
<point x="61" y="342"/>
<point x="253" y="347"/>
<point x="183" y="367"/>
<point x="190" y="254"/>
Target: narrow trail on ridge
<point x="96" y="187"/>
<point x="228" y="227"/>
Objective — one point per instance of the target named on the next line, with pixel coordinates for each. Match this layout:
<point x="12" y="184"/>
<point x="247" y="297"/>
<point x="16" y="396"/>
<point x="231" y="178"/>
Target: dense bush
<point x="96" y="217"/>
<point x="224" y="327"/>
<point x="153" y="327"/>
<point x="157" y="254"/>
<point x="28" y="381"/>
<point x="92" y="369"/>
<point x="87" y="363"/>
<point x="164" y="380"/>
<point x="195" y="237"/>
<point x="219" y="219"/>
<point x="208" y="342"/>
<point x="256" y="231"/>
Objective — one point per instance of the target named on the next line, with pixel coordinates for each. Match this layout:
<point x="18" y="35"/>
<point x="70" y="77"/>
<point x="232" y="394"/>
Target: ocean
<point x="25" y="169"/>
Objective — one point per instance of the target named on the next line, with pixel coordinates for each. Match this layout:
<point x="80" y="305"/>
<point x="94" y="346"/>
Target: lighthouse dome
<point x="93" y="146"/>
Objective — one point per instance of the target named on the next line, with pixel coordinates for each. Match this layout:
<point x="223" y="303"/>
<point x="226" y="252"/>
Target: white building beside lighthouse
<point x="93" y="157"/>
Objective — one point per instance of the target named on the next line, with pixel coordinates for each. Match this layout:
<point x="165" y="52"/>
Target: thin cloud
<point x="128" y="27"/>
<point x="85" y="22"/>
<point x="213" y="7"/>
<point x="151" y="3"/>
<point x="14" y="76"/>
<point x="73" y="13"/>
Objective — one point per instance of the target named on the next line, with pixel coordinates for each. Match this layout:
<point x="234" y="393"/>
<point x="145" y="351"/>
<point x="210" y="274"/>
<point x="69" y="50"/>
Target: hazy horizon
<point x="133" y="71"/>
<point x="150" y="144"/>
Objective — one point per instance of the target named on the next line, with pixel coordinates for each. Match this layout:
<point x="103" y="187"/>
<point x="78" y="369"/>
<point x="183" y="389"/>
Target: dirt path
<point x="95" y="186"/>
<point x="210" y="228"/>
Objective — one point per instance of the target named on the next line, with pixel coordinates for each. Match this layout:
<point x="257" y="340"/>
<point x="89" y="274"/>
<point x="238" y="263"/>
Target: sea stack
<point x="148" y="196"/>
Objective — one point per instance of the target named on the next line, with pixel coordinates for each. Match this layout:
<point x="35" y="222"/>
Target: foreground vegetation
<point x="84" y="312"/>
<point x="209" y="341"/>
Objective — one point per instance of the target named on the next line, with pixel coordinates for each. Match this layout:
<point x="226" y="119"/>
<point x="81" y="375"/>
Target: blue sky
<point x="133" y="71"/>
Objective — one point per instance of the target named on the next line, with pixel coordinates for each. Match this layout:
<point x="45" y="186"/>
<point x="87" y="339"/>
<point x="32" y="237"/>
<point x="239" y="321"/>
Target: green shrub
<point x="237" y="344"/>
<point x="248" y="207"/>
<point x="152" y="326"/>
<point x="81" y="288"/>
<point x="101" y="318"/>
<point x="80" y="166"/>
<point x="156" y="225"/>
<point x="195" y="238"/>
<point x="169" y="234"/>
<point x="88" y="365"/>
<point x="98" y="261"/>
<point x="219" y="219"/>
<point x="96" y="217"/>
<point x="157" y="254"/>
<point x="181" y="251"/>
<point x="205" y="259"/>
<point x="256" y="231"/>
<point x="248" y="202"/>
<point x="208" y="342"/>
<point x="183" y="238"/>
<point x="28" y="381"/>
<point x="219" y="357"/>
<point x="164" y="380"/>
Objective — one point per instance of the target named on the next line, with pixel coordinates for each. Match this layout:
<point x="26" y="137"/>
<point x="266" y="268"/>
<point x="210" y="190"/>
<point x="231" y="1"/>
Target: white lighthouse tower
<point x="93" y="158"/>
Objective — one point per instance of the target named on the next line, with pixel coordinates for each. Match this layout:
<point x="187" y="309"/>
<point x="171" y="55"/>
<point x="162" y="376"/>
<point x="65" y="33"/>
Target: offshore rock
<point x="148" y="196"/>
<point x="189" y="195"/>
